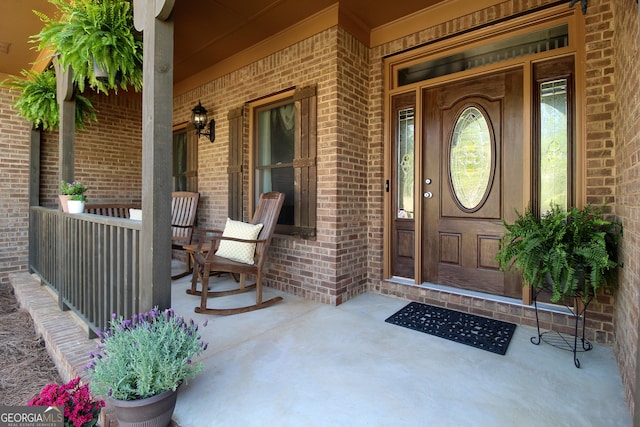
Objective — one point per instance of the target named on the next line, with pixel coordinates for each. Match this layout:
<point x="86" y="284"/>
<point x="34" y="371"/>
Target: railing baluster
<point x="92" y="261"/>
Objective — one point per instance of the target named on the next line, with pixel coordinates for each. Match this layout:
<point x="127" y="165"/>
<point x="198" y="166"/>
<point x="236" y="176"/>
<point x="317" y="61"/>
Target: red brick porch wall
<point x="108" y="154"/>
<point x="108" y="159"/>
<point x="14" y="188"/>
<point x="626" y="140"/>
<point x="331" y="268"/>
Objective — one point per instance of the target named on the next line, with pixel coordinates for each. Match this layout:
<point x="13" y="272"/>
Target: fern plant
<point x="574" y="252"/>
<point x="99" y="32"/>
<point x="37" y="101"/>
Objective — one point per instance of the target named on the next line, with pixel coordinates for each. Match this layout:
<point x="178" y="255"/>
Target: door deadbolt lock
<point x="427" y="181"/>
<point x="428" y="194"/>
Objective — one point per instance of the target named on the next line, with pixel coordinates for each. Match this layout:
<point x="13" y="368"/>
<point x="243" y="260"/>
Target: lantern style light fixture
<point x="200" y="120"/>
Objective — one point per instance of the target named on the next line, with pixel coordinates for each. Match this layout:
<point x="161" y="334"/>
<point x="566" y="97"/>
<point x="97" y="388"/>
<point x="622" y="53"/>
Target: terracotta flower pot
<point x="155" y="411"/>
<point x="64" y="198"/>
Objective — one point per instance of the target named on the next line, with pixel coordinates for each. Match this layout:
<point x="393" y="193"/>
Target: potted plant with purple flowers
<point x="80" y="409"/>
<point x="72" y="198"/>
<point x="140" y="363"/>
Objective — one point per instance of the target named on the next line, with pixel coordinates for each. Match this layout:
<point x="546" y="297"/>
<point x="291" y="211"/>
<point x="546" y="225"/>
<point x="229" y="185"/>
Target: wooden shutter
<point x="234" y="169"/>
<point x="304" y="163"/>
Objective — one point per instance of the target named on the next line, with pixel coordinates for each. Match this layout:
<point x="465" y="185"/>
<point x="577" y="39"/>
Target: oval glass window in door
<point x="471" y="159"/>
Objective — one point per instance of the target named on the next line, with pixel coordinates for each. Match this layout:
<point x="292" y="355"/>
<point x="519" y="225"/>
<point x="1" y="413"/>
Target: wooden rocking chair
<point x="267" y="212"/>
<point x="184" y="206"/>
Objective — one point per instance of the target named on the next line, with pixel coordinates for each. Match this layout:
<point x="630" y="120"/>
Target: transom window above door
<point x="530" y="43"/>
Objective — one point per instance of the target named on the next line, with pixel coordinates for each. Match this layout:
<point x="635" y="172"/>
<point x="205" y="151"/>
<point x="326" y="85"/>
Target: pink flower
<point x="79" y="408"/>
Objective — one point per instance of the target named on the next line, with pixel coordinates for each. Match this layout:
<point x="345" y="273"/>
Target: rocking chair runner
<point x="267" y="212"/>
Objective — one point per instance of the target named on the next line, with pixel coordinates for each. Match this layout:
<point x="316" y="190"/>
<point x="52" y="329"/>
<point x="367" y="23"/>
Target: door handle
<point x="428" y="195"/>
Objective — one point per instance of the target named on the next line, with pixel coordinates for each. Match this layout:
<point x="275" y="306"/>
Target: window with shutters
<point x="283" y="129"/>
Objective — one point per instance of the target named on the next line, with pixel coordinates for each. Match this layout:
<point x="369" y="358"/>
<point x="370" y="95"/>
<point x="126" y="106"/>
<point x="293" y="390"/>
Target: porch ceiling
<point x="206" y="31"/>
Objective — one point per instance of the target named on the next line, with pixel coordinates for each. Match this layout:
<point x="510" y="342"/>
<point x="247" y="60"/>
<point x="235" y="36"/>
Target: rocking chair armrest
<point x="215" y="243"/>
<point x="235" y="239"/>
<point x="203" y="232"/>
<point x="206" y="235"/>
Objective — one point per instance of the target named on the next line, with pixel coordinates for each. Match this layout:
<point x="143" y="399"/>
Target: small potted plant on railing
<point x="72" y="198"/>
<point x="80" y="409"/>
<point x="142" y="361"/>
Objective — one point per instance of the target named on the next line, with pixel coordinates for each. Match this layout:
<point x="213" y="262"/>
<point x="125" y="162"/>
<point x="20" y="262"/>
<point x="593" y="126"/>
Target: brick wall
<point x="14" y="188"/>
<point x="108" y="161"/>
<point x="600" y="103"/>
<point x="600" y="150"/>
<point x="626" y="139"/>
<point x="351" y="166"/>
<point x="108" y="154"/>
<point x="331" y="268"/>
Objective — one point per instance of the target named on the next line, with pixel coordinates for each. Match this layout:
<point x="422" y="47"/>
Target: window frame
<point x="543" y="72"/>
<point x="304" y="161"/>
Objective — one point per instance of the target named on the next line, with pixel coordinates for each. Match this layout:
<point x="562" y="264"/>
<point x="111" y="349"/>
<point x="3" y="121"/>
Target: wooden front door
<point x="473" y="175"/>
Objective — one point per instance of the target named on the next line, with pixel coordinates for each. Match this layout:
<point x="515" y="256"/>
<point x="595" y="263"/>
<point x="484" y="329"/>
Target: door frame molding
<point x="488" y="34"/>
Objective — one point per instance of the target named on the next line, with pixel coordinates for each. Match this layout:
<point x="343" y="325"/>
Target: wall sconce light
<point x="199" y="120"/>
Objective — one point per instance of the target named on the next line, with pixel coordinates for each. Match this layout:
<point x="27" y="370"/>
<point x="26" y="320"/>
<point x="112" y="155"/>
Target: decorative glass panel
<point x="553" y="145"/>
<point x="405" y="163"/>
<point x="515" y="47"/>
<point x="470" y="158"/>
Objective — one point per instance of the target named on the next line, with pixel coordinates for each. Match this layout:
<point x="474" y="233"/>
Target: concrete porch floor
<point x="301" y="363"/>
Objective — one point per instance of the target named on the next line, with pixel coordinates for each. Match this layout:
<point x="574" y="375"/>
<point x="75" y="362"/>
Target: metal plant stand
<point x="561" y="340"/>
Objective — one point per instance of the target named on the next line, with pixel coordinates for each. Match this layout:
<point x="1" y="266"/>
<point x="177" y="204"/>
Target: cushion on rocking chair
<point x="135" y="214"/>
<point x="238" y="251"/>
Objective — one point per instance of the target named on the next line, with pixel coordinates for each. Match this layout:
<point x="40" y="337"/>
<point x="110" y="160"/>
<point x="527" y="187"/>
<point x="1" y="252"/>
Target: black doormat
<point x="480" y="332"/>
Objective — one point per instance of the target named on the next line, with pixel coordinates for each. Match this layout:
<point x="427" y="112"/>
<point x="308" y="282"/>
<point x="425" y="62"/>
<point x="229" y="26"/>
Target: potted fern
<point x="37" y="101"/>
<point x="574" y="252"/>
<point x="95" y="33"/>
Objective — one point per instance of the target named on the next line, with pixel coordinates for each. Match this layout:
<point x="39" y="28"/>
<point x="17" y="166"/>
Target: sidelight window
<point x="553" y="145"/>
<point x="405" y="180"/>
<point x="553" y="150"/>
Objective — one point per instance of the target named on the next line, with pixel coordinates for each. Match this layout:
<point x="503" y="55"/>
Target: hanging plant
<point x="95" y="32"/>
<point x="37" y="101"/>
